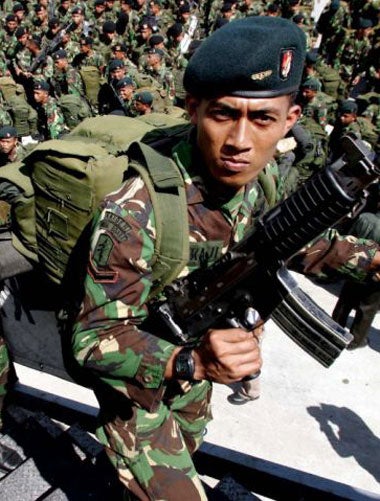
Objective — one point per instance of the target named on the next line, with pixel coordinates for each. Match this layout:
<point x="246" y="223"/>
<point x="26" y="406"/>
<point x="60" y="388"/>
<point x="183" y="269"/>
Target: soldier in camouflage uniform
<point x="51" y="122"/>
<point x="10" y="148"/>
<point x="88" y="56"/>
<point x="155" y="395"/>
<point x="346" y="121"/>
<point x="125" y="89"/>
<point x="313" y="101"/>
<point x="65" y="79"/>
<point x="97" y="16"/>
<point x="8" y="40"/>
<point x="352" y="53"/>
<point x="156" y="69"/>
<point x="40" y="20"/>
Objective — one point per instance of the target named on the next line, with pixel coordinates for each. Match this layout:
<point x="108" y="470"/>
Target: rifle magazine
<point x="308" y="325"/>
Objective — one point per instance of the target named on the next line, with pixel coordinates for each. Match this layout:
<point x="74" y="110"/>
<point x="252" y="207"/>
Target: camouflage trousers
<point x="152" y="450"/>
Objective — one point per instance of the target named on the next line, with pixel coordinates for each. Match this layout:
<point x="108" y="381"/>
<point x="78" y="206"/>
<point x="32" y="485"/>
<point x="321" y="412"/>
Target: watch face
<point x="184" y="364"/>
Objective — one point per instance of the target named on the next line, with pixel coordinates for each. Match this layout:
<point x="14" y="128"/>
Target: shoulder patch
<point x="103" y="249"/>
<point x="116" y="226"/>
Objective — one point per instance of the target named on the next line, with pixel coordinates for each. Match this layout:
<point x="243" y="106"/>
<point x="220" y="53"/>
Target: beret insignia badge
<point x="287" y="56"/>
<point x="261" y="75"/>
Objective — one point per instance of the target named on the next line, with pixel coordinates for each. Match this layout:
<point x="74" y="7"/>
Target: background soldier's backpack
<point x="23" y="115"/>
<point x="330" y="80"/>
<point x="8" y="87"/>
<point x="74" y="108"/>
<point x="91" y="77"/>
<point x="368" y="131"/>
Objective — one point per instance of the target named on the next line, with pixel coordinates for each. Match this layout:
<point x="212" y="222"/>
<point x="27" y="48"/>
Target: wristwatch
<point x="184" y="365"/>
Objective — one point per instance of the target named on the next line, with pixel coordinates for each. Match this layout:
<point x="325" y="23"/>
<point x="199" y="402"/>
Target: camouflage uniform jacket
<point x="68" y="82"/>
<point x="107" y="338"/>
<point x="51" y="122"/>
<point x="317" y="109"/>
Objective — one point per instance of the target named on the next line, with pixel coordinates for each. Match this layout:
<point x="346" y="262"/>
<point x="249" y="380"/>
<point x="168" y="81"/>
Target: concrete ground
<point x="317" y="420"/>
<point x="321" y="421"/>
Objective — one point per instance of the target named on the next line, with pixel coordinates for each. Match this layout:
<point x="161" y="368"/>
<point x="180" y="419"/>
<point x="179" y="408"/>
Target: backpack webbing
<point x="167" y="191"/>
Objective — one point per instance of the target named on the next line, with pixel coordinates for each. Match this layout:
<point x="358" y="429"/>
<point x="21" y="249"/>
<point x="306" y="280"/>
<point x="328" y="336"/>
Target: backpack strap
<point x="167" y="191"/>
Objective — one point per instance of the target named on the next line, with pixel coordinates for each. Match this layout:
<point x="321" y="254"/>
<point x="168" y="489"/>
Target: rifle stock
<point x="253" y="274"/>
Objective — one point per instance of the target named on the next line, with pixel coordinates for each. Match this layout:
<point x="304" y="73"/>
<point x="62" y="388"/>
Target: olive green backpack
<point x="62" y="182"/>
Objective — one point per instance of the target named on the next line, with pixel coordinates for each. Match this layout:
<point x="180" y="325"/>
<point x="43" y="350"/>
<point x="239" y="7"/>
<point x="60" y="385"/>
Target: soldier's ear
<point x="192" y="104"/>
<point x="293" y="115"/>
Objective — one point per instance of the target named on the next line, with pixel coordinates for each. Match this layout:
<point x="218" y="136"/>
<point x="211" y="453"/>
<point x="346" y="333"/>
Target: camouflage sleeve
<point x="55" y="121"/>
<point x="75" y="83"/>
<point x="107" y="338"/>
<point x="332" y="254"/>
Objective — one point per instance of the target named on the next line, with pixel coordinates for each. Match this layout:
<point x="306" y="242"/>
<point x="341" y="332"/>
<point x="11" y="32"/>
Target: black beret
<point x="17" y="7"/>
<point x="258" y="56"/>
<point x="77" y="10"/>
<point x="59" y="54"/>
<point x="156" y="39"/>
<point x="153" y="50"/>
<point x="20" y="32"/>
<point x="348" y="106"/>
<point x="298" y="18"/>
<point x="144" y="97"/>
<point x="175" y="30"/>
<point x="124" y="82"/>
<point x="184" y="8"/>
<point x="8" y="131"/>
<point x="10" y="17"/>
<point x="220" y="22"/>
<point x="100" y="2"/>
<point x="121" y="47"/>
<point x="365" y="23"/>
<point x="109" y="27"/>
<point x="115" y="64"/>
<point x="273" y="8"/>
<point x="226" y="7"/>
<point x="41" y="85"/>
<point x="86" y="41"/>
<point x="53" y="22"/>
<point x="311" y="57"/>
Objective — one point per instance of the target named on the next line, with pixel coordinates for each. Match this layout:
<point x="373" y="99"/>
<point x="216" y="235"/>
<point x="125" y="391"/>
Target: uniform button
<point x="148" y="378"/>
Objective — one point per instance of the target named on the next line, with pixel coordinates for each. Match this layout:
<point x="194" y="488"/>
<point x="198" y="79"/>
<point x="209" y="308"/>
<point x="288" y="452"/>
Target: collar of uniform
<point x="184" y="157"/>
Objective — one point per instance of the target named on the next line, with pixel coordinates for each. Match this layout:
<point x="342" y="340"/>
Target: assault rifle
<point x="253" y="274"/>
<point x="50" y="47"/>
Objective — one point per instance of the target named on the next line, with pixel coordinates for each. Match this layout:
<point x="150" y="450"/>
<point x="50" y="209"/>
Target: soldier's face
<point x="118" y="74"/>
<point x="40" y="96"/>
<point x="7" y="144"/>
<point x="126" y="93"/>
<point x="237" y="136"/>
<point x="347" y="118"/>
<point x="12" y="25"/>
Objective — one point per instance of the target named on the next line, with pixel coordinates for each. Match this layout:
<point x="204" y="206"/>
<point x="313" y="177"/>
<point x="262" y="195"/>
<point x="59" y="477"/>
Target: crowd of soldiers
<point x="61" y="62"/>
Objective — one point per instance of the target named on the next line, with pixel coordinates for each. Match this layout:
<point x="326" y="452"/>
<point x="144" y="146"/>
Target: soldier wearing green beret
<point x="154" y="395"/>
